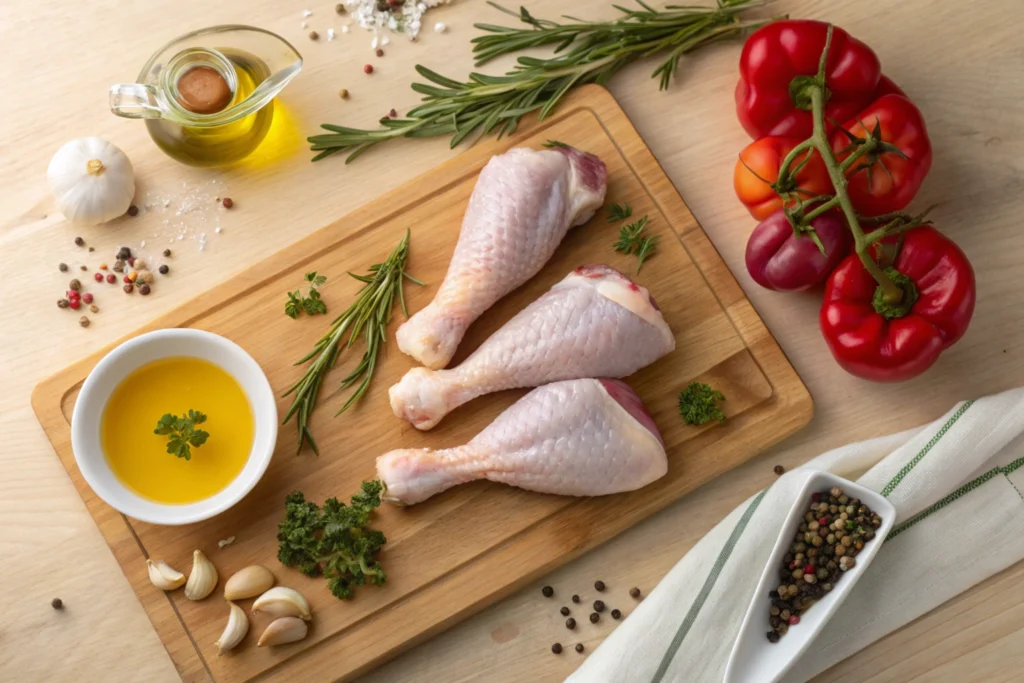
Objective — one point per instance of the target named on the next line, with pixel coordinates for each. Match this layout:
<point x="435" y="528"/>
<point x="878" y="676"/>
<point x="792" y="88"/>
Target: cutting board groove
<point x="469" y="547"/>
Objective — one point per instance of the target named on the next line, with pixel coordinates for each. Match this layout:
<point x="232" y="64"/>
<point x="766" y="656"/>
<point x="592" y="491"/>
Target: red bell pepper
<point x="779" y="56"/>
<point x="882" y="181"/>
<point x="890" y="343"/>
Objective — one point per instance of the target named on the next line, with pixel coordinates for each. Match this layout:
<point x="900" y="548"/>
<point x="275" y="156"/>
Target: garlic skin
<point x="164" y="576"/>
<point x="202" y="579"/>
<point x="283" y="630"/>
<point x="92" y="181"/>
<point x="282" y="601"/>
<point x="234" y="630"/>
<point x="248" y="583"/>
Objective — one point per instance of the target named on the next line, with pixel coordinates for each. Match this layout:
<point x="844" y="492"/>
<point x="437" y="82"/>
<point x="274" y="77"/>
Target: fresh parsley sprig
<point x="698" y="404"/>
<point x="633" y="241"/>
<point x="335" y="540"/>
<point x="182" y="432"/>
<point x="312" y="304"/>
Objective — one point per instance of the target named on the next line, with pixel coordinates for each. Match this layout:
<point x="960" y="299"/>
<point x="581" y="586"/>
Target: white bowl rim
<point x="132" y="504"/>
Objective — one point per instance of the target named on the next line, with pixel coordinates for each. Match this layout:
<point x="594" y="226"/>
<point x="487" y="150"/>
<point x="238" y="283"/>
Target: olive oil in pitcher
<point x="208" y="97"/>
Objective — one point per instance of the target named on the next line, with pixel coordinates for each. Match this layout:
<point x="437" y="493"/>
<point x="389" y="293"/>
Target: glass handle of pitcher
<point x="135" y="101"/>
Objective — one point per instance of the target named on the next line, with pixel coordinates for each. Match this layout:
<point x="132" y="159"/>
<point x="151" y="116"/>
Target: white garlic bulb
<point x="92" y="181"/>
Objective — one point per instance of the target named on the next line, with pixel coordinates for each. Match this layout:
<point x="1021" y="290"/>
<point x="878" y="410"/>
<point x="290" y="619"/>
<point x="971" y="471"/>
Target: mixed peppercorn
<point x="132" y="271"/>
<point x="595" y="616"/>
<point x="833" y="532"/>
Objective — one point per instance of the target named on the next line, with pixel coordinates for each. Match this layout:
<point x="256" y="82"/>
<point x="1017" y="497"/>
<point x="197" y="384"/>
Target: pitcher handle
<point x="135" y="101"/>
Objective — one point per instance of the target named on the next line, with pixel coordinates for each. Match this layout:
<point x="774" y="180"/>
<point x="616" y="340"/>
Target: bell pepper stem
<point x="891" y="292"/>
<point x="790" y="159"/>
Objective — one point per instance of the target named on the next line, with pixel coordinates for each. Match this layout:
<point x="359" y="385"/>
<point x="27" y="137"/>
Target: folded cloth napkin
<point x="957" y="487"/>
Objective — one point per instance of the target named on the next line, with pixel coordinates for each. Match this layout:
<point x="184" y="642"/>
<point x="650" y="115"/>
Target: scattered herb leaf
<point x="633" y="241"/>
<point x="182" y="432"/>
<point x="555" y="143"/>
<point x="335" y="540"/>
<point x="311" y="304"/>
<point x="619" y="212"/>
<point x="698" y="404"/>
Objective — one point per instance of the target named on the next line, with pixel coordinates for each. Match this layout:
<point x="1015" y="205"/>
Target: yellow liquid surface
<point x="139" y="458"/>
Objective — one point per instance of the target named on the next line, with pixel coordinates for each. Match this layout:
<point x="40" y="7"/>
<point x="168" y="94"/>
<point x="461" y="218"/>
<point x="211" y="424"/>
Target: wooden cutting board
<point x="467" y="548"/>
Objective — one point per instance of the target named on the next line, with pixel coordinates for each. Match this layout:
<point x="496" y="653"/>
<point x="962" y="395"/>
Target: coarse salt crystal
<point x="142" y="244"/>
<point x="440" y="27"/>
<point x="385" y="40"/>
<point x="374" y="43"/>
<point x="304" y="25"/>
<point x="330" y="34"/>
<point x="344" y="29"/>
<point x="218" y="230"/>
<point x="307" y="13"/>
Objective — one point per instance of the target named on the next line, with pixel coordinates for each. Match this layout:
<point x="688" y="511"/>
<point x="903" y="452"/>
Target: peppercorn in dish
<point x="831" y="535"/>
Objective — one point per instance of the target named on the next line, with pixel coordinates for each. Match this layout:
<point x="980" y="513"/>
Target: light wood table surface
<point x="962" y="62"/>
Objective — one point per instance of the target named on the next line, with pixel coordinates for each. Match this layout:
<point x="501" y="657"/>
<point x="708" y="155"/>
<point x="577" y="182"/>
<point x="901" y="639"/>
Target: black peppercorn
<point x="133" y="210"/>
<point x="79" y="241"/>
<point x="548" y="591"/>
<point x="599" y="586"/>
<point x="557" y="648"/>
<point x="144" y="290"/>
<point x="576" y="599"/>
<point x="75" y="285"/>
<point x="564" y="611"/>
<point x="570" y="623"/>
<point x="773" y="636"/>
<point x="164" y="269"/>
<point x="634" y="593"/>
<point x="594" y="617"/>
<point x="167" y="252"/>
<point x="63" y="267"/>
<point x="579" y="648"/>
<point x="57" y="603"/>
<point x="616" y="614"/>
<point x="598" y="606"/>
<point x="780" y="470"/>
<point x="124" y="253"/>
<point x="63" y="303"/>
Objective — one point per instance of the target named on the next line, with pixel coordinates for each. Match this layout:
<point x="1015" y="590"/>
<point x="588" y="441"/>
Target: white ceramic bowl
<point x="129" y="356"/>
<point x="756" y="660"/>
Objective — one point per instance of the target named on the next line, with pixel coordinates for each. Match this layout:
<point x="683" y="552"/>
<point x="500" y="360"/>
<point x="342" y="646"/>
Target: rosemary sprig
<point x="585" y="52"/>
<point x="368" y="316"/>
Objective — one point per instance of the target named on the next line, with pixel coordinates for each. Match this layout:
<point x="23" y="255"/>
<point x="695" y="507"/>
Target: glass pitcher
<point x="254" y="64"/>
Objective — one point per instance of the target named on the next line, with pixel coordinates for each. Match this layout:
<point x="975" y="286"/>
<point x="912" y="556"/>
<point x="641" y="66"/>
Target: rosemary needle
<point x="585" y="52"/>
<point x="368" y="316"/>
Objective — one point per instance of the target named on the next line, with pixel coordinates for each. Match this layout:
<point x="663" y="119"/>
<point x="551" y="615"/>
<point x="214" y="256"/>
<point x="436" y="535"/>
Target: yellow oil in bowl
<point x="138" y="457"/>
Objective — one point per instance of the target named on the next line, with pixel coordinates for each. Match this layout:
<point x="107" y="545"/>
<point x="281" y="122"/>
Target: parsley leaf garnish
<point x="182" y="432"/>
<point x="312" y="304"/>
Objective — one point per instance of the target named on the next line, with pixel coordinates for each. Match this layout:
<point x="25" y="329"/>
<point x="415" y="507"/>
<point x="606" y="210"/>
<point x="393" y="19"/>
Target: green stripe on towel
<point x="891" y="486"/>
<point x="705" y="591"/>
<point x="960" y="492"/>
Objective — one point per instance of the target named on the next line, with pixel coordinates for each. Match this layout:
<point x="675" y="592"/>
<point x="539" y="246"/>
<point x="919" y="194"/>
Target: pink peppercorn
<point x="808" y="569"/>
<point x="823" y="521"/>
<point x="131" y="260"/>
<point x="74" y="303"/>
<point x="368" y="69"/>
<point x="794" y="620"/>
<point x="127" y="279"/>
<point x="98" y="277"/>
<point x="111" y="278"/>
<point x="87" y="298"/>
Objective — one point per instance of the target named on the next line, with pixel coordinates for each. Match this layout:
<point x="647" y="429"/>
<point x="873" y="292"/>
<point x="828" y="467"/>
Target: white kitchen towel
<point x="957" y="487"/>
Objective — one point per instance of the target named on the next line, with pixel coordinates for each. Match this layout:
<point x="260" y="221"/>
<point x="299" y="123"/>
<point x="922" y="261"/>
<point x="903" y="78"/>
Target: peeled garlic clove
<point x="164" y="576"/>
<point x="234" y="631"/>
<point x="203" y="578"/>
<point x="283" y="602"/>
<point x="283" y="630"/>
<point x="248" y="583"/>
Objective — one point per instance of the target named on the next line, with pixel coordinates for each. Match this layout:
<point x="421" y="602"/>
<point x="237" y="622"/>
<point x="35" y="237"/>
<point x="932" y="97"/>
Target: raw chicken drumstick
<point x="594" y="323"/>
<point x="523" y="204"/>
<point x="583" y="437"/>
